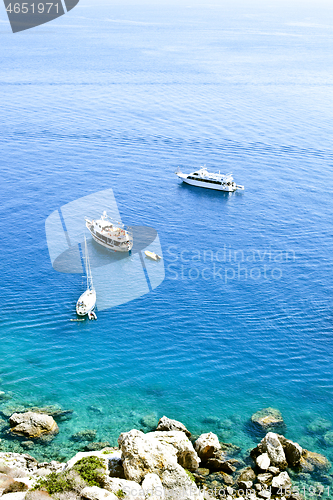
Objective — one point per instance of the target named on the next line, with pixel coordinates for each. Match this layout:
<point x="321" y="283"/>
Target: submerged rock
<point x="328" y="438"/>
<point x="32" y="425"/>
<point x="319" y="425"/>
<point x="206" y="445"/>
<point x="96" y="446"/>
<point x="311" y="461"/>
<point x="167" y="424"/>
<point x="4" y="396"/>
<point x="268" y="418"/>
<point x="86" y="435"/>
<point x="149" y="421"/>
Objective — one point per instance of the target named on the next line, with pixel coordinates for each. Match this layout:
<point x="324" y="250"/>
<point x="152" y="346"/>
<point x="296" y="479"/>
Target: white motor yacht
<point x="210" y="180"/>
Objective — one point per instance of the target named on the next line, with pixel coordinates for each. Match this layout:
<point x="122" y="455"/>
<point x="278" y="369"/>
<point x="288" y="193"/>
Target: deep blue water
<point x="112" y="96"/>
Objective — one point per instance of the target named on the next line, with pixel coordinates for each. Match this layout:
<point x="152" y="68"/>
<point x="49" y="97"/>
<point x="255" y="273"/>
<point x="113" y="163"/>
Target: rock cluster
<point x="159" y="465"/>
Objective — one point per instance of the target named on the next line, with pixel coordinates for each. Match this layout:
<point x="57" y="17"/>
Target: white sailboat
<point x="86" y="303"/>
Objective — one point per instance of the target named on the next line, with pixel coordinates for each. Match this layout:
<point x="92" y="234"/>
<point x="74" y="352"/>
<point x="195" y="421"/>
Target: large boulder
<point x="271" y="445"/>
<point x="32" y="425"/>
<point x="268" y="418"/>
<point x="143" y="454"/>
<point x="293" y="451"/>
<point x="186" y="455"/>
<point x="167" y="424"/>
<point x="206" y="445"/>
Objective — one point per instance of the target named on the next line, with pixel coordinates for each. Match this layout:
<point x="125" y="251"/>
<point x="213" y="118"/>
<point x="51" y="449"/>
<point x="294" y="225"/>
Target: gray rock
<point x="167" y="424"/>
<point x="273" y="470"/>
<point x="263" y="461"/>
<point x="122" y="488"/>
<point x="268" y="418"/>
<point x="96" y="493"/>
<point x="271" y="445"/>
<point x="152" y="487"/>
<point x="282" y="481"/>
<point x="219" y="463"/>
<point x="37" y="495"/>
<point x="245" y="485"/>
<point x="32" y="425"/>
<point x="186" y="455"/>
<point x="15" y="487"/>
<point x="293" y="451"/>
<point x="143" y="454"/>
<point x="265" y="478"/>
<point x="5" y="481"/>
<point x="206" y="445"/>
<point x="247" y="474"/>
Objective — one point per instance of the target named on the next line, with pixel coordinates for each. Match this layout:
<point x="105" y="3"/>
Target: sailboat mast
<point x="86" y="263"/>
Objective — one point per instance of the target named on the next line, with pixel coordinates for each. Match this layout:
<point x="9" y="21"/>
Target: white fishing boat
<point x="110" y="234"/>
<point x="210" y="180"/>
<point x="152" y="255"/>
<point x="86" y="303"/>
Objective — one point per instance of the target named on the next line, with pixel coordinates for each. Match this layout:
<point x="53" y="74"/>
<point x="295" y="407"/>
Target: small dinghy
<point x="86" y="303"/>
<point x="92" y="315"/>
<point x="152" y="255"/>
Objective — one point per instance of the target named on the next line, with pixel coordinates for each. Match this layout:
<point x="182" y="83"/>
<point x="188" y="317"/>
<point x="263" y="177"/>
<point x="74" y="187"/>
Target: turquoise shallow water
<point x="117" y="97"/>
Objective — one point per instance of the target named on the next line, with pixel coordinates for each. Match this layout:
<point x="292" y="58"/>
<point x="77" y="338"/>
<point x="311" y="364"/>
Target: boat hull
<point x="86" y="302"/>
<point x="107" y="245"/>
<point x="207" y="185"/>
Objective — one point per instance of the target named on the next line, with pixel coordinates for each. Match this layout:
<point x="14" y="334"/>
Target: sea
<point x="118" y="95"/>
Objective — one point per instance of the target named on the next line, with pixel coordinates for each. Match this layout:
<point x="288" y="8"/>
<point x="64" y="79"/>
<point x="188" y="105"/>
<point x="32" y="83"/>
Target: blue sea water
<point x="117" y="96"/>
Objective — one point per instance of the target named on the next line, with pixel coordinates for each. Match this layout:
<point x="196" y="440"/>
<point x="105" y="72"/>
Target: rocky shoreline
<point x="165" y="463"/>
